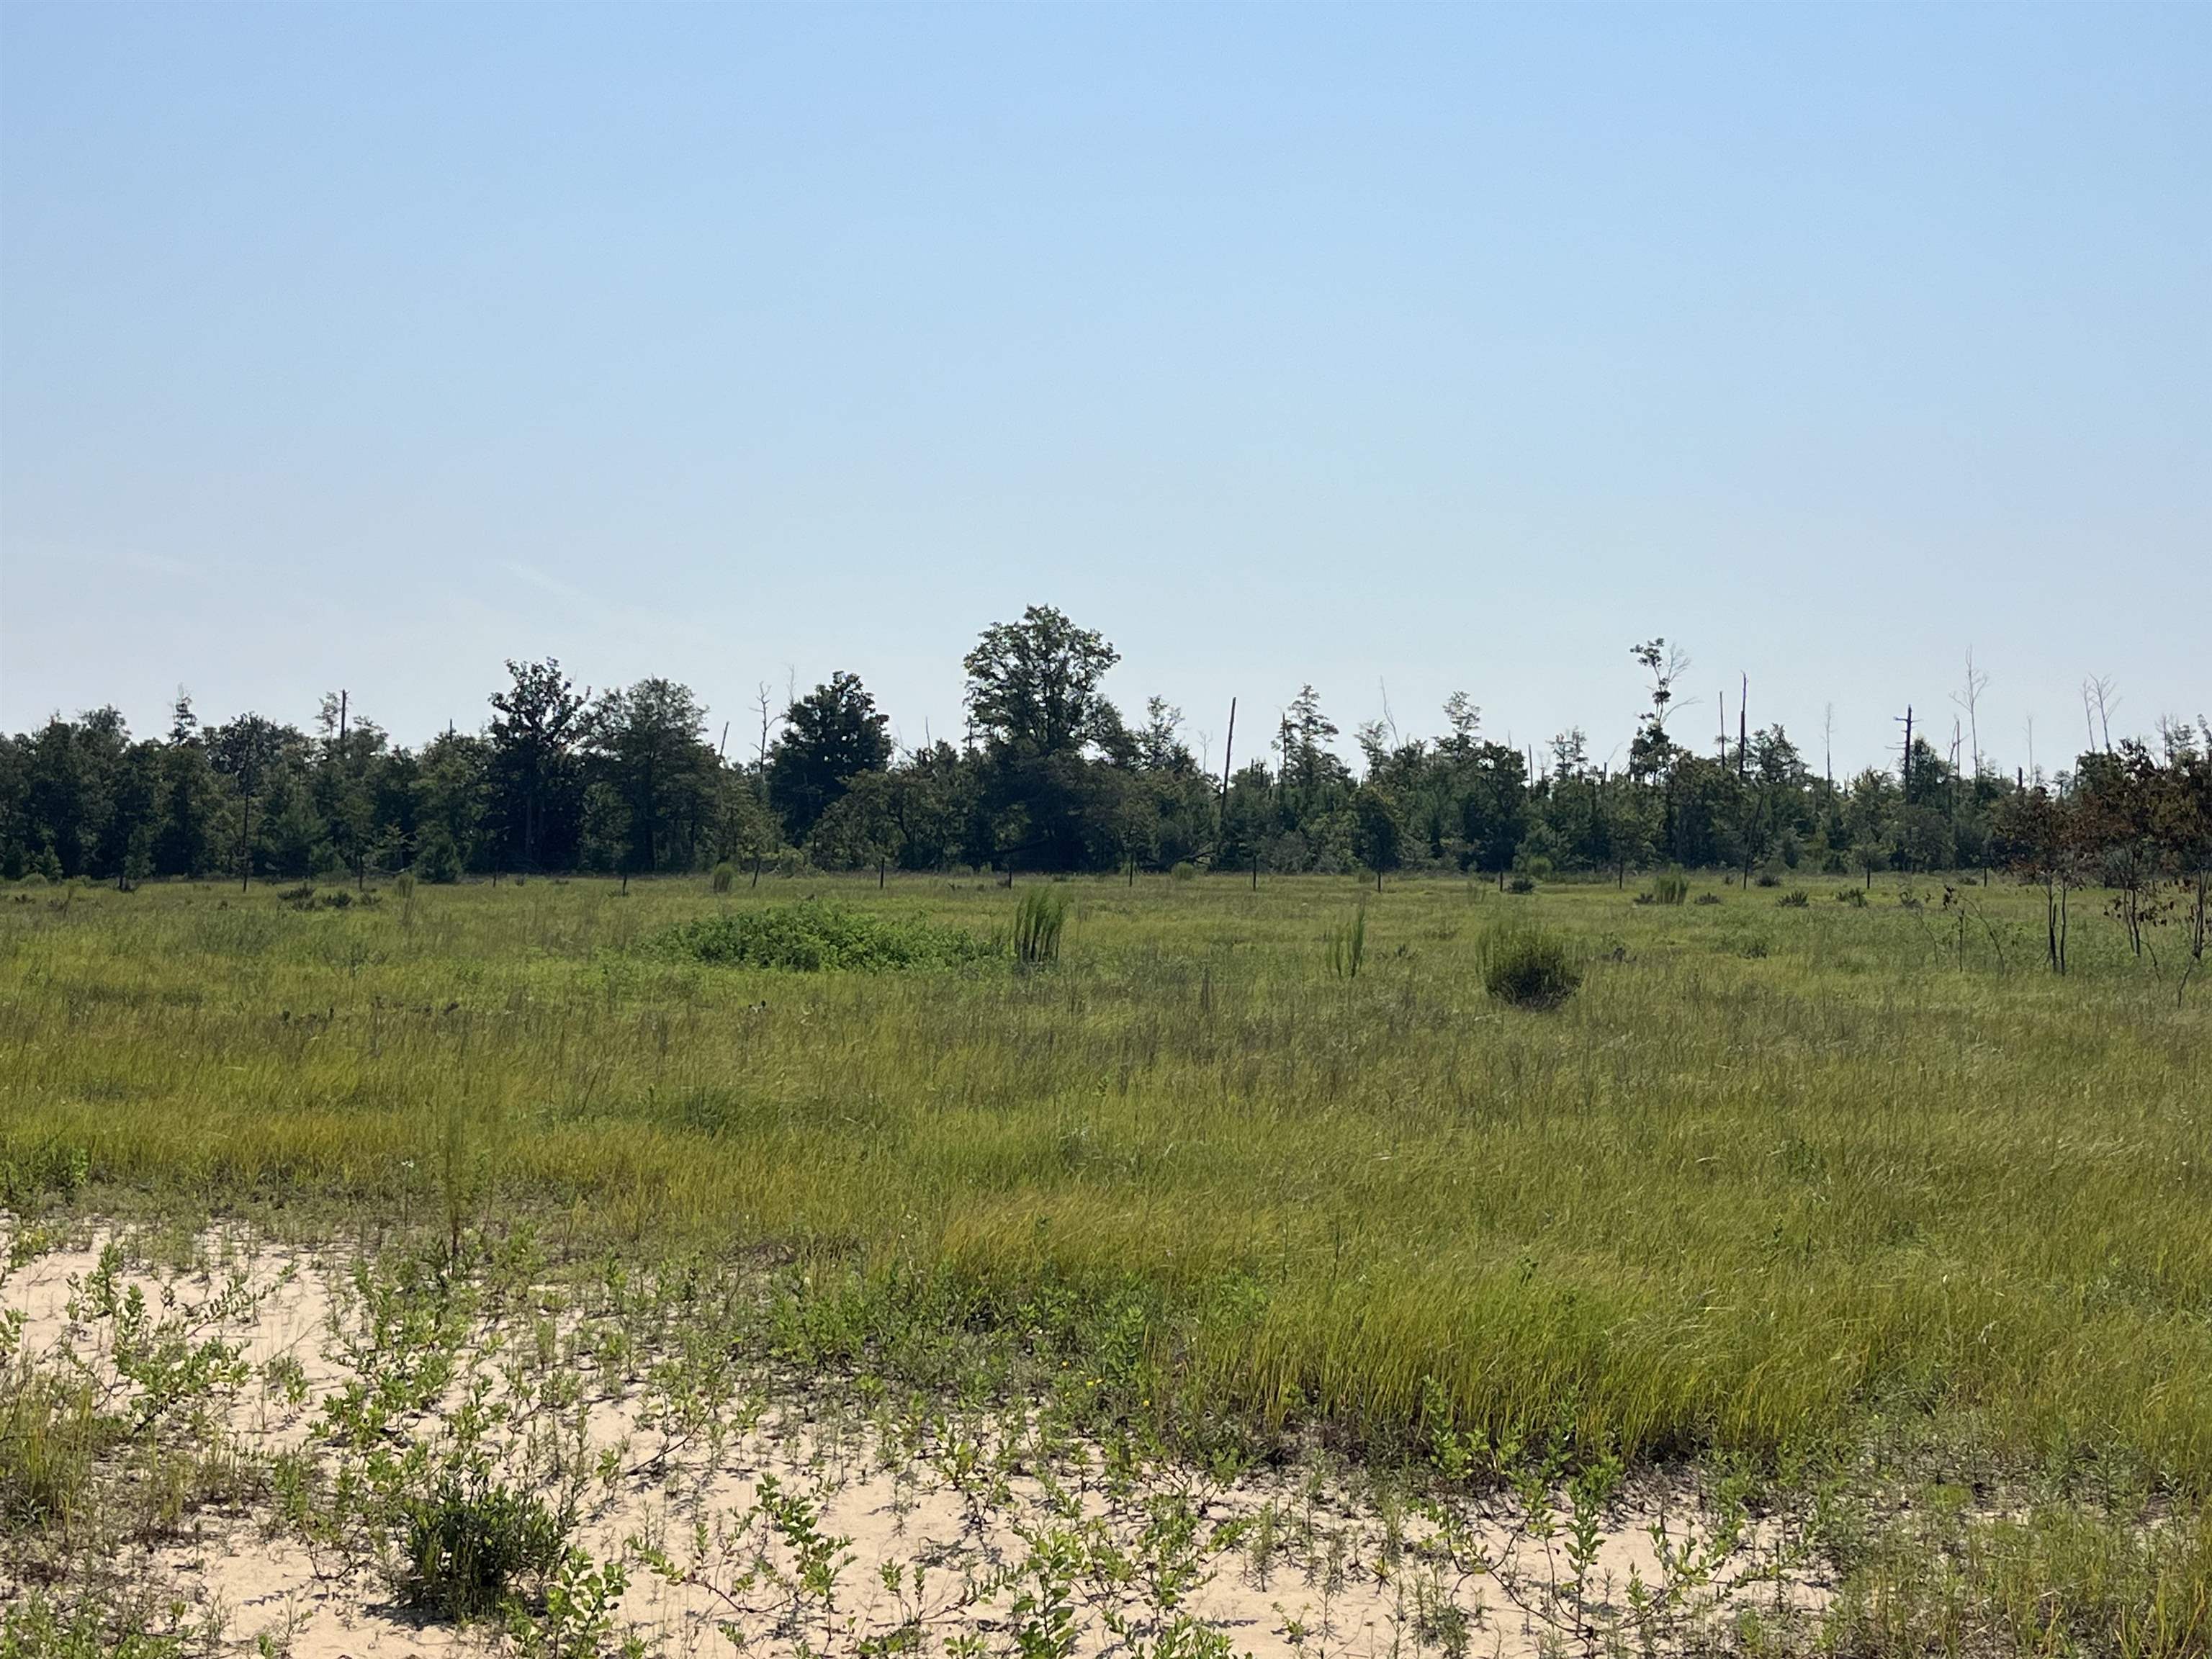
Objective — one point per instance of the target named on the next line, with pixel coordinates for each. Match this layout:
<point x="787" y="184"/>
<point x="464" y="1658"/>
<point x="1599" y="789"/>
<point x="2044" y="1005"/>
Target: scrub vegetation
<point x="1494" y="1217"/>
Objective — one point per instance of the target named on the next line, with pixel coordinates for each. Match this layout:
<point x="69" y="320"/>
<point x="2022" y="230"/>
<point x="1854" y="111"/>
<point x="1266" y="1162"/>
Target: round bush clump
<point x="813" y="937"/>
<point x="1529" y="969"/>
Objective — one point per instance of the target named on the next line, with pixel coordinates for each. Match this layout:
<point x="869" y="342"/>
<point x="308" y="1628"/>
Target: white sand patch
<point x="789" y="1509"/>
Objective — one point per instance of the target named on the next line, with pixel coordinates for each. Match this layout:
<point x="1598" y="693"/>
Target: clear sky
<point x="1425" y="348"/>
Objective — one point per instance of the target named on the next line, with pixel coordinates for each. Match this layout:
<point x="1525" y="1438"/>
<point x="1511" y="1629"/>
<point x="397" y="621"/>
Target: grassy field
<point x="1856" y="1197"/>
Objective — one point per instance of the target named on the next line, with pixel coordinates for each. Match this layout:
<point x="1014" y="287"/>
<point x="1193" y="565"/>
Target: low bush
<point x="725" y="876"/>
<point x="1528" y="968"/>
<point x="814" y="937"/>
<point x="1184" y="869"/>
<point x="1852" y="897"/>
<point x="1795" y="899"/>
<point x="1521" y="883"/>
<point x="469" y="1549"/>
<point x="1669" y="887"/>
<point x="1768" y="879"/>
<point x="1707" y="899"/>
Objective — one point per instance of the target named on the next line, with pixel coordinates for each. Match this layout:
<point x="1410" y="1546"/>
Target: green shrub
<point x="1768" y="879"/>
<point x="44" y="1626"/>
<point x="725" y="876"/>
<point x="1795" y="899"/>
<point x="1707" y="899"/>
<point x="1669" y="887"/>
<point x="813" y="937"/>
<point x="468" y="1549"/>
<point x="1522" y="882"/>
<point x="404" y="884"/>
<point x="1184" y="869"/>
<point x="436" y="858"/>
<point x="1038" y="919"/>
<point x="1852" y="897"/>
<point x="1528" y="967"/>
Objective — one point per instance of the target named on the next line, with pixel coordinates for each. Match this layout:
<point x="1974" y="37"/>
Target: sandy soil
<point x="1341" y="1576"/>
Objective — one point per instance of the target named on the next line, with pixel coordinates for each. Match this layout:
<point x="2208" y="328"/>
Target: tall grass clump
<point x="725" y="876"/>
<point x="51" y="1437"/>
<point x="1528" y="967"/>
<point x="1348" y="945"/>
<point x="1038" y="920"/>
<point x="813" y="937"/>
<point x="1670" y="887"/>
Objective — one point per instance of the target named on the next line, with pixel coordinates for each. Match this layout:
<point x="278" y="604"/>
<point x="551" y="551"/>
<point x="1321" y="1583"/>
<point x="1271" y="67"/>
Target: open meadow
<point x="1838" y="1227"/>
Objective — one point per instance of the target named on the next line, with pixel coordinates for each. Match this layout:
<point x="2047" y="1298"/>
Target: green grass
<point x="1776" y="1183"/>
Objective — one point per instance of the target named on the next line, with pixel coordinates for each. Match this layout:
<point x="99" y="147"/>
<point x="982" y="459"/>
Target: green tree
<point x="448" y="808"/>
<point x="1033" y="693"/>
<point x="349" y="754"/>
<point x="650" y="750"/>
<point x="1033" y="686"/>
<point x="831" y="736"/>
<point x="246" y="754"/>
<point x="1493" y="801"/>
<point x="186" y="825"/>
<point x="861" y="829"/>
<point x="745" y="832"/>
<point x="538" y="721"/>
<point x="933" y="796"/>
<point x="1377" y="835"/>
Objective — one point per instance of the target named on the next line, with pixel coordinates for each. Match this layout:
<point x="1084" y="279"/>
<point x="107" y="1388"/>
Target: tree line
<point x="1052" y="777"/>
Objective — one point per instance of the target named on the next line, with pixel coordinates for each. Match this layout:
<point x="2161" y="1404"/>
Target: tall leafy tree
<point x="831" y="736"/>
<point x="1493" y="805"/>
<point x="447" y="811"/>
<point x="1033" y="686"/>
<point x="538" y="719"/>
<point x="1047" y="801"/>
<point x="649" y="744"/>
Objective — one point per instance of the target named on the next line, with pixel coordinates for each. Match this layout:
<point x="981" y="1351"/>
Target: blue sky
<point x="1403" y="348"/>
